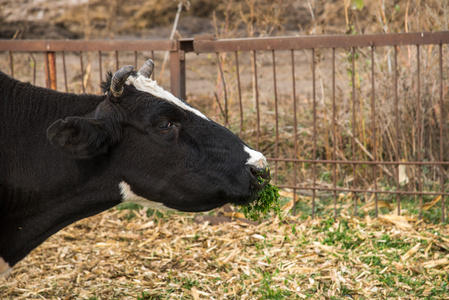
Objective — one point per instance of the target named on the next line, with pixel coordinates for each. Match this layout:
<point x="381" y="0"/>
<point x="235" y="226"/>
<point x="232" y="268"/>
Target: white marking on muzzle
<point x="4" y="267"/>
<point x="129" y="196"/>
<point x="256" y="158"/>
<point x="149" y="85"/>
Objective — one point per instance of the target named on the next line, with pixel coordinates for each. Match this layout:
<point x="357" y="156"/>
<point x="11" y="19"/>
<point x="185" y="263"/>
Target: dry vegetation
<point x="122" y="254"/>
<point x="415" y="139"/>
<point x="357" y="136"/>
<point x="230" y="18"/>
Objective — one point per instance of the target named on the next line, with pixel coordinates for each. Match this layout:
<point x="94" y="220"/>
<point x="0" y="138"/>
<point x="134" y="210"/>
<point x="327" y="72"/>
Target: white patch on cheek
<point x="4" y="267"/>
<point x="129" y="196"/>
<point x="256" y="158"/>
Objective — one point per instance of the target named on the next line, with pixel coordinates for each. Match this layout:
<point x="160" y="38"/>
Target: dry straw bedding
<point x="113" y="256"/>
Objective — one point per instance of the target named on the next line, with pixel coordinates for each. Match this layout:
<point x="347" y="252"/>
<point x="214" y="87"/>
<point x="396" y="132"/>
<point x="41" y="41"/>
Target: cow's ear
<point x="81" y="137"/>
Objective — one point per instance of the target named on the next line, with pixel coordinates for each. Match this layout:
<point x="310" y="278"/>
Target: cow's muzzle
<point x="261" y="174"/>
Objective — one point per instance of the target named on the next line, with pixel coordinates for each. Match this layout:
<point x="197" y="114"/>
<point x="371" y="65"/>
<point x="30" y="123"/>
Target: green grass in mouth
<point x="268" y="201"/>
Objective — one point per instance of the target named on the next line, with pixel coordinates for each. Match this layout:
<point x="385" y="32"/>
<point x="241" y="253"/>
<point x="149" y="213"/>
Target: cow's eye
<point x="165" y="125"/>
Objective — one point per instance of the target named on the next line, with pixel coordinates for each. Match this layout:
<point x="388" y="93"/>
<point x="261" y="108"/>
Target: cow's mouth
<point x="260" y="177"/>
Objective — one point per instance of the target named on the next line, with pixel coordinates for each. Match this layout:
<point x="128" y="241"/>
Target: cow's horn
<point x="119" y="79"/>
<point x="147" y="69"/>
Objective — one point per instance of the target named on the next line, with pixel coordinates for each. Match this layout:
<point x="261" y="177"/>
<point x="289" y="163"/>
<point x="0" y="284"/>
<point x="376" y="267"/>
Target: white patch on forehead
<point x="150" y="86"/>
<point x="4" y="267"/>
<point x="255" y="158"/>
<point x="129" y="196"/>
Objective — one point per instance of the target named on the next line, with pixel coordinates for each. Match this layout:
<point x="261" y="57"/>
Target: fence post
<point x="178" y="67"/>
<point x="50" y="70"/>
<point x="177" y="73"/>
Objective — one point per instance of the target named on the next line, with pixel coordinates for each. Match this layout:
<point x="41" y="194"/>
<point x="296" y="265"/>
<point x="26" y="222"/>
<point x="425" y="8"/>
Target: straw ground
<point x="134" y="254"/>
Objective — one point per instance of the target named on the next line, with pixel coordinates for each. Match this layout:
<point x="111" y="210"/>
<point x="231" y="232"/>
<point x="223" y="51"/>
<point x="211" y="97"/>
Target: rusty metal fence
<point x="350" y="124"/>
<point x="78" y="61"/>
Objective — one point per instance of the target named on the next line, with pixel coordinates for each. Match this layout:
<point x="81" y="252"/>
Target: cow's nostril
<point x="262" y="163"/>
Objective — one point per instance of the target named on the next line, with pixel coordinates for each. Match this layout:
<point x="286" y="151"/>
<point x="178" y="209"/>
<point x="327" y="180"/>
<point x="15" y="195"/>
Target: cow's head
<point x="162" y="150"/>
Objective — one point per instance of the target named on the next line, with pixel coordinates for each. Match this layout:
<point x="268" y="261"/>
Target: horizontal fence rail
<point x="61" y="47"/>
<point x="209" y="45"/>
<point x="92" y="45"/>
<point x="347" y="122"/>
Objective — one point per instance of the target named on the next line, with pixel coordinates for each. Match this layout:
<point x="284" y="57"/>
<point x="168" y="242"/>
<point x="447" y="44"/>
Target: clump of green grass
<point x="268" y="201"/>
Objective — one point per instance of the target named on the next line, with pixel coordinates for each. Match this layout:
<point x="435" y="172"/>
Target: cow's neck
<point x="39" y="106"/>
<point x="43" y="190"/>
<point x="33" y="222"/>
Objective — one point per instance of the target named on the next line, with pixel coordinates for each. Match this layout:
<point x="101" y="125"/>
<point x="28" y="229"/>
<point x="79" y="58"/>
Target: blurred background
<point x="103" y="19"/>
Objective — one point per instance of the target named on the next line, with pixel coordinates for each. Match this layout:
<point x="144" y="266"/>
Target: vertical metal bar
<point x="82" y="72"/>
<point x="295" y="129"/>
<point x="53" y="75"/>
<point x="117" y="63"/>
<point x="334" y="134"/>
<point x="257" y="99"/>
<point x="373" y="121"/>
<point x="135" y="59"/>
<point x="443" y="216"/>
<point x="226" y="110"/>
<point x="177" y="74"/>
<point x="152" y="58"/>
<point x="240" y="92"/>
<point x="314" y="134"/>
<point x="396" y="125"/>
<point x="273" y="56"/>
<point x="47" y="72"/>
<point x="64" y="70"/>
<point x="354" y="132"/>
<point x="100" y="66"/>
<point x="34" y="67"/>
<point x="51" y="70"/>
<point x="11" y="63"/>
<point x="418" y="128"/>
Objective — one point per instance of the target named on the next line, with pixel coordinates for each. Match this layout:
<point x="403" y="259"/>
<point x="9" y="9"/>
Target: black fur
<point x="105" y="85"/>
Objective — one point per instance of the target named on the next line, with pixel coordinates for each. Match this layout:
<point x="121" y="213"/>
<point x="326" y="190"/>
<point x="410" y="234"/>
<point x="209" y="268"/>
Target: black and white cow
<point x="64" y="157"/>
